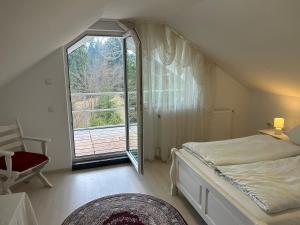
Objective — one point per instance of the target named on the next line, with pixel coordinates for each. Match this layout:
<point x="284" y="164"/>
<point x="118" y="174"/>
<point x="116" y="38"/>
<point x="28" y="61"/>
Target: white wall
<point x="29" y="97"/>
<point x="231" y="94"/>
<point x="265" y="106"/>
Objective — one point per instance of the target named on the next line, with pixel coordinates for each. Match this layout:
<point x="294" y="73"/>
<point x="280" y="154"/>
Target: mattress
<point x="236" y="197"/>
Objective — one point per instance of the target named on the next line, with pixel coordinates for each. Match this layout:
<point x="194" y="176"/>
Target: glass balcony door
<point x="97" y="95"/>
<point x="105" y="96"/>
<point x="133" y="95"/>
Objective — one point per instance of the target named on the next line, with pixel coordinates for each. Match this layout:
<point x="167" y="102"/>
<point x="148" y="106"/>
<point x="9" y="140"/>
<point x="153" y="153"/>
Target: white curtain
<point x="177" y="90"/>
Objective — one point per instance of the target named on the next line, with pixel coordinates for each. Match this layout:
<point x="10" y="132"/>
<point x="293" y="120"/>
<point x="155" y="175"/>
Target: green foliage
<point x="78" y="65"/>
<point x="131" y="72"/>
<point x="97" y="66"/>
<point x="105" y="118"/>
<point x="131" y="76"/>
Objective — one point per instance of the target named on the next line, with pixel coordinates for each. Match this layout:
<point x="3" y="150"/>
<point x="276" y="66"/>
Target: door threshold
<point x="94" y="163"/>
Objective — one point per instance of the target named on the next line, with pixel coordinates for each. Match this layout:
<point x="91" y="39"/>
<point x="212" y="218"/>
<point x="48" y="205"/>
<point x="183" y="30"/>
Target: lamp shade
<point x="279" y="123"/>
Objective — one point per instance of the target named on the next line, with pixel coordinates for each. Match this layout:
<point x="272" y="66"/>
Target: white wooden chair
<point x="16" y="163"/>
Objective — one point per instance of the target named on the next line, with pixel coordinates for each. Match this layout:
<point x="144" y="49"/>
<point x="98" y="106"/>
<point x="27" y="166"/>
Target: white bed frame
<point x="213" y="204"/>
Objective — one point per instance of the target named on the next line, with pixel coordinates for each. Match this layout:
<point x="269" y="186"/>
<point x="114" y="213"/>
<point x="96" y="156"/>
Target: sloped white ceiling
<point x="256" y="41"/>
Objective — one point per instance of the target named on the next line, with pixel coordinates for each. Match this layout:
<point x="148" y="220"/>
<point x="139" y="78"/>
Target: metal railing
<point x="84" y="105"/>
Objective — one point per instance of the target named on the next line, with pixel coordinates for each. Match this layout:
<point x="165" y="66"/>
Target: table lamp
<point x="278" y="125"/>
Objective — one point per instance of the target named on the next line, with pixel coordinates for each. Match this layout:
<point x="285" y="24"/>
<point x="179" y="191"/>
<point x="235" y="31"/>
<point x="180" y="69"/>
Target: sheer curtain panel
<point x="177" y="90"/>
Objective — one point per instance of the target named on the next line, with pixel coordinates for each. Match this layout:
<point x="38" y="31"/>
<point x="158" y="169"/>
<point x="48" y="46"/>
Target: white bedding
<point x="273" y="185"/>
<point x="250" y="149"/>
<point x="236" y="197"/>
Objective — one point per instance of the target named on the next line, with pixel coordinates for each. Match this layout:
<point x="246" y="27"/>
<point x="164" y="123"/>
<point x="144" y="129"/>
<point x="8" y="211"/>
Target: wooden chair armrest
<point x="43" y="142"/>
<point x="37" y="139"/>
<point x="8" y="161"/>
<point x="6" y="153"/>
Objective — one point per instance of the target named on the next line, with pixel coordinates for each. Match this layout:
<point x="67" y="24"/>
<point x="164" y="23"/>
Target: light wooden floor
<point x="73" y="189"/>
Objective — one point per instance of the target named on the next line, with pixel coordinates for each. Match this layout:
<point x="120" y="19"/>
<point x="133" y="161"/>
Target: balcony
<point x="102" y="140"/>
<point x="99" y="125"/>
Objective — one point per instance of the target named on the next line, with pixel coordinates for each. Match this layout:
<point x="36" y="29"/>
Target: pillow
<point x="294" y="135"/>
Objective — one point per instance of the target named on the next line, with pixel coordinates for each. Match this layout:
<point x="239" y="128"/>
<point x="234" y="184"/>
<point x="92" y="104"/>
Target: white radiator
<point x="221" y="124"/>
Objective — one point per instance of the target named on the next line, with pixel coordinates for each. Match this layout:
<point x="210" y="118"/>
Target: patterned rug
<point x="126" y="209"/>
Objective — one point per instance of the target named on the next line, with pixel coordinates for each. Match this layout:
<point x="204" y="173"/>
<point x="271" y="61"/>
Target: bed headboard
<point x="221" y="124"/>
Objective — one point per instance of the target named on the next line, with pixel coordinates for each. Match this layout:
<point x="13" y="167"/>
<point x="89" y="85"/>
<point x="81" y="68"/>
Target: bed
<point x="217" y="200"/>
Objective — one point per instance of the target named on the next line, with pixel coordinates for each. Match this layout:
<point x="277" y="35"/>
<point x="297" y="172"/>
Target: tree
<point x="108" y="117"/>
<point x="78" y="66"/>
<point x="97" y="66"/>
<point x="131" y="78"/>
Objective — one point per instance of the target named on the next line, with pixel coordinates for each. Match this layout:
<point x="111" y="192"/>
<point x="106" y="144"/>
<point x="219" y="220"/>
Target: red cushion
<point x="22" y="161"/>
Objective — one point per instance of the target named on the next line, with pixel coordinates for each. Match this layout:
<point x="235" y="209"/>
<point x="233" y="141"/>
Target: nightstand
<point x="271" y="132"/>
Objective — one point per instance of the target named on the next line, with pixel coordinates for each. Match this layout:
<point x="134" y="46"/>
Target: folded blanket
<point x="273" y="185"/>
<point x="242" y="150"/>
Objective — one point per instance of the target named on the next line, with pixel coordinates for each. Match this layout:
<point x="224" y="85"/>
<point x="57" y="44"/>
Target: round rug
<point x="126" y="209"/>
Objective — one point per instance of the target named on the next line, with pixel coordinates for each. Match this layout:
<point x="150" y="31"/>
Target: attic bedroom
<point x="140" y="112"/>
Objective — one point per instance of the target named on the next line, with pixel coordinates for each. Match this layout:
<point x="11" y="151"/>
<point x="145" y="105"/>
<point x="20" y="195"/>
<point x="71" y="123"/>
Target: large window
<point x="97" y="81"/>
<point x="105" y="95"/>
<point x="96" y="75"/>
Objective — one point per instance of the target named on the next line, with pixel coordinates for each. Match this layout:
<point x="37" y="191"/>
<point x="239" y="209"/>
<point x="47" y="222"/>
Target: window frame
<point x="101" y="33"/>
